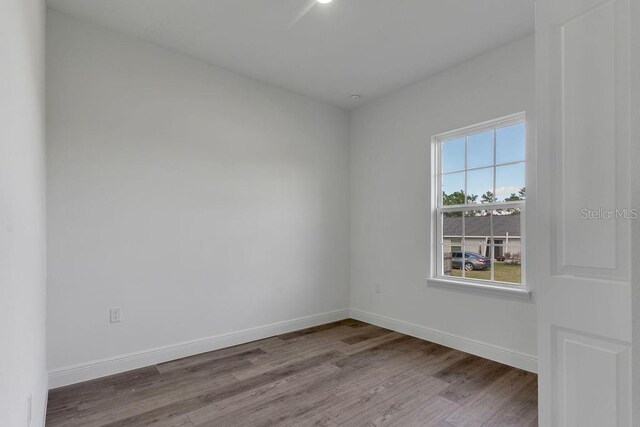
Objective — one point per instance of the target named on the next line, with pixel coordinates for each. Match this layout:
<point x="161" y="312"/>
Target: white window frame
<point x="468" y="284"/>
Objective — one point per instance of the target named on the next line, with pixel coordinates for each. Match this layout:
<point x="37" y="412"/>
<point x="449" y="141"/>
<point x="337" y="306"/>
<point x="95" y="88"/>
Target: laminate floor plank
<point x="190" y="403"/>
<point x="395" y="408"/>
<point x="265" y="345"/>
<point x="329" y="326"/>
<point x="366" y="335"/>
<point x="262" y="367"/>
<point x="134" y="407"/>
<point x="345" y="373"/>
<point x="340" y="383"/>
<point x="520" y="410"/>
<point x="322" y="341"/>
<point x="345" y="406"/>
<point x="429" y="413"/>
<point x="472" y="378"/>
<point x="372" y="343"/>
<point x="135" y="397"/>
<point x="491" y="399"/>
<point x="307" y="400"/>
<point x="280" y="411"/>
<point x="317" y="419"/>
<point x="269" y="392"/>
<point x="389" y="382"/>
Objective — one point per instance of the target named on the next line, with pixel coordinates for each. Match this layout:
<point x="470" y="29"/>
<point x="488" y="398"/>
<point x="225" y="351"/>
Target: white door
<point x="583" y="276"/>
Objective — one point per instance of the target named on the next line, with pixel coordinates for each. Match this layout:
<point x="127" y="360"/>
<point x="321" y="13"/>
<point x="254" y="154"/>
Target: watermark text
<point x="601" y="213"/>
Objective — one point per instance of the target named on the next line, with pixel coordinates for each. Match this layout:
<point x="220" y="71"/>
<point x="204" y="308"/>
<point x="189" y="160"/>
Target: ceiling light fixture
<point x="324" y="1"/>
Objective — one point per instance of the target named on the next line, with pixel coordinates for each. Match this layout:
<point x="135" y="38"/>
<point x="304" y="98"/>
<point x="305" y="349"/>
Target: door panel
<point x="582" y="280"/>
<point x="591" y="371"/>
<point x="587" y="121"/>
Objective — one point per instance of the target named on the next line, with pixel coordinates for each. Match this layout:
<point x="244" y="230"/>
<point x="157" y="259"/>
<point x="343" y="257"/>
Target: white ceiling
<point x="333" y="50"/>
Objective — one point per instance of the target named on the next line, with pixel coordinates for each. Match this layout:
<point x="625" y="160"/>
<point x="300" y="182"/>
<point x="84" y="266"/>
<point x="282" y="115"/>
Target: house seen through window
<point x="480" y="205"/>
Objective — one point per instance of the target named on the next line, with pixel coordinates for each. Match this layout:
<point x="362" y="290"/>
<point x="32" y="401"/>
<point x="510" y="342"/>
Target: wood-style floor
<point x="344" y="373"/>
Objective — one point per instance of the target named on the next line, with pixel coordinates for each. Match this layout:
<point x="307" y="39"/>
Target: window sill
<point x="506" y="291"/>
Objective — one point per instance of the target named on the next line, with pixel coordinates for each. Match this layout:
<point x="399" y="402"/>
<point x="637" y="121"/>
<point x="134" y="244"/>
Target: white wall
<point x="390" y="160"/>
<point x="198" y="201"/>
<point x="22" y="213"/>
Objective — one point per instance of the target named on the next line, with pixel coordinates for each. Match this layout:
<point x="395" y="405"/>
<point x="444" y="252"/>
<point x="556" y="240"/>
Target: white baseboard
<point x="516" y="359"/>
<point x="99" y="368"/>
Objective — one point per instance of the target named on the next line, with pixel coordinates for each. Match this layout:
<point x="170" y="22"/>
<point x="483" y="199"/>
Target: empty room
<point x="319" y="213"/>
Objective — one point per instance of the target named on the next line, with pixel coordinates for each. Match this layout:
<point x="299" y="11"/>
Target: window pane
<point x="510" y="182"/>
<point x="480" y="150"/>
<point x="510" y="143"/>
<point x="452" y="228"/>
<point x="477" y="231"/>
<point x="453" y="155"/>
<point x="456" y="262"/>
<point x="477" y="226"/>
<point x="447" y="255"/>
<point x="451" y="223"/>
<point x="508" y="264"/>
<point x="479" y="183"/>
<point x="453" y="189"/>
<point x="507" y="225"/>
<point x="476" y="265"/>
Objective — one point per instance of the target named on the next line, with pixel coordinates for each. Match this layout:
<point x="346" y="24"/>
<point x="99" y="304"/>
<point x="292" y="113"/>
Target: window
<point x="479" y="204"/>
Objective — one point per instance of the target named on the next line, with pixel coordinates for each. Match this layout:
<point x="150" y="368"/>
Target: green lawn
<point x="503" y="273"/>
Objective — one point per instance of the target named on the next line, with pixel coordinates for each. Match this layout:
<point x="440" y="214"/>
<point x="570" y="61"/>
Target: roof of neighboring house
<point x="481" y="225"/>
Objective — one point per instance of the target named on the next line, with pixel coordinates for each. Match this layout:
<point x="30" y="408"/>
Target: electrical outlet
<point x="378" y="288"/>
<point x="114" y="315"/>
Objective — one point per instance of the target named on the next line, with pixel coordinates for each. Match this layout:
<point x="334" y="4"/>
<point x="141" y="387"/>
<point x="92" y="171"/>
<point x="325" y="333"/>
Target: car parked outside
<point x="473" y="261"/>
